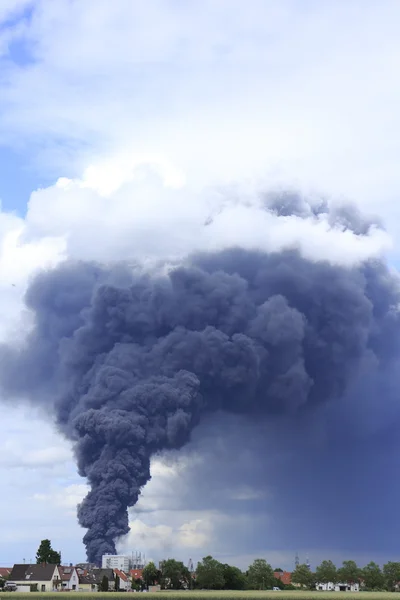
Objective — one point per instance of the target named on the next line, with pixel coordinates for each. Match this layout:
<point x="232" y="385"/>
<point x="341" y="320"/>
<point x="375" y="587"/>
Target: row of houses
<point x="47" y="578"/>
<point x="286" y="578"/>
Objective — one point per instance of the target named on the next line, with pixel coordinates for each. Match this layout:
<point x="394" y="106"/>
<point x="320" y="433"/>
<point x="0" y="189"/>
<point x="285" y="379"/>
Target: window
<point x="74" y="587"/>
<point x="43" y="588"/>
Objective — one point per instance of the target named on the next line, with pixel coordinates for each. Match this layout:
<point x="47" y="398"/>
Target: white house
<point x="69" y="578"/>
<point x="124" y="583"/>
<point x="42" y="577"/>
<point x="338" y="587"/>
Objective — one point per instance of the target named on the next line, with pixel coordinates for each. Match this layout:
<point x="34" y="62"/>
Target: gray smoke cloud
<point x="345" y="216"/>
<point x="131" y="361"/>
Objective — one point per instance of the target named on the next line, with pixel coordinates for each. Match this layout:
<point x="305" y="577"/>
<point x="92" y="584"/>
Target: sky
<point x="126" y="125"/>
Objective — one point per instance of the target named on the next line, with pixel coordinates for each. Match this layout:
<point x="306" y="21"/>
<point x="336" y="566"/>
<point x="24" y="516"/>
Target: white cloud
<point x="195" y="534"/>
<point x="221" y="91"/>
<point x="29" y="442"/>
<point x="68" y="497"/>
<point x="156" y="539"/>
<point x="119" y="216"/>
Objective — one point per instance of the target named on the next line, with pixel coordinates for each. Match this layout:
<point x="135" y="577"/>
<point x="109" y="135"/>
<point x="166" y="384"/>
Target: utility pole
<point x="190" y="569"/>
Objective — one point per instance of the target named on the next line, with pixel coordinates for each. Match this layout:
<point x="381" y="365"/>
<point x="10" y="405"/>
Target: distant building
<point x="337" y="587"/>
<point x="85" y="566"/>
<point x="284" y="576"/>
<point x="116" y="561"/>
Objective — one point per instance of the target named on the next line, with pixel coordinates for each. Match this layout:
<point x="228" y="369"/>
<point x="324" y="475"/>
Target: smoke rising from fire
<point x="130" y="360"/>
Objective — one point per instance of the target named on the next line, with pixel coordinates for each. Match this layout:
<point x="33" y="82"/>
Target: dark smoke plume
<point x="131" y="361"/>
<point x="344" y="216"/>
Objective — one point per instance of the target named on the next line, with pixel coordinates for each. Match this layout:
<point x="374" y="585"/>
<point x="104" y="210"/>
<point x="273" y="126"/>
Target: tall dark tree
<point x="174" y="575"/>
<point x="260" y="575"/>
<point x="104" y="584"/>
<point x="326" y="572"/>
<point x="372" y="576"/>
<point x="117" y="583"/>
<point x="303" y="576"/>
<point x="234" y="578"/>
<point x="210" y="574"/>
<point x="391" y="572"/>
<point x="348" y="572"/>
<point x="46" y="554"/>
<point x="150" y="574"/>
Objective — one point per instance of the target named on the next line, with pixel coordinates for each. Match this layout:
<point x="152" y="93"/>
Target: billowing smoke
<point x="131" y="360"/>
<point x="346" y="216"/>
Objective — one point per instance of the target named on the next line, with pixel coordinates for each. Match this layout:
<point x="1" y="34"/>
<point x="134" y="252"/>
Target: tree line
<point x="213" y="575"/>
<point x="370" y="577"/>
<point x="210" y="575"/>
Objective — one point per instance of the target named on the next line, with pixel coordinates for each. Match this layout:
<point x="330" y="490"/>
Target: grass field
<point x="267" y="595"/>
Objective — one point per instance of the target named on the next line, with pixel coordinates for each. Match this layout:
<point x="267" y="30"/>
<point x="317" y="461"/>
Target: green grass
<point x="248" y="595"/>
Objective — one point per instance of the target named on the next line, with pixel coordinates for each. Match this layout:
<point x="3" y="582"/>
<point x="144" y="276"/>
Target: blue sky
<point x="123" y="125"/>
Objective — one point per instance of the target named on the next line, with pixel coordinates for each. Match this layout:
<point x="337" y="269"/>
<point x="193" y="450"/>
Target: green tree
<point x="260" y="575"/>
<point x="372" y="576"/>
<point x="150" y="574"/>
<point x="391" y="572"/>
<point x="279" y="583"/>
<point x="326" y="572"/>
<point x="348" y="572"/>
<point x="234" y="578"/>
<point x="210" y="574"/>
<point x="136" y="584"/>
<point x="303" y="576"/>
<point x="46" y="554"/>
<point x="117" y="583"/>
<point x="104" y="584"/>
<point x="174" y="575"/>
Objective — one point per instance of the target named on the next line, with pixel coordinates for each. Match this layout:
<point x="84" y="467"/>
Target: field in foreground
<point x="197" y="595"/>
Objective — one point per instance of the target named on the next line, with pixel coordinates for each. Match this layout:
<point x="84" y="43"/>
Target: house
<point x="337" y="587"/>
<point x="100" y="573"/>
<point x="136" y="573"/>
<point x="124" y="583"/>
<point x="87" y="582"/>
<point x="284" y="576"/>
<point x="69" y="578"/>
<point x="5" y="572"/>
<point x="42" y="577"/>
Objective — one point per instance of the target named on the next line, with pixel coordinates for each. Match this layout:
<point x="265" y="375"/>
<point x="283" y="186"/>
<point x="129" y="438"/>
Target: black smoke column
<point x="130" y="363"/>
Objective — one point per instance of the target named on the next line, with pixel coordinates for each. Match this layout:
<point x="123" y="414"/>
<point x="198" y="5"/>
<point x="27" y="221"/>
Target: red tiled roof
<point x="121" y="574"/>
<point x="66" y="572"/>
<point x="284" y="576"/>
<point x="5" y="571"/>
<point x="136" y="573"/>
